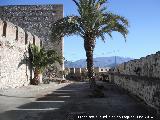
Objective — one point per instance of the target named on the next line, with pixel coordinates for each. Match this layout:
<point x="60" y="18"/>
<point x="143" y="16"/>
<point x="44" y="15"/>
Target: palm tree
<point x="94" y="21"/>
<point x="40" y="60"/>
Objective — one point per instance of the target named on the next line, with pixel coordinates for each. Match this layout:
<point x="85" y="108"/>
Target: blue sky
<point x="144" y="31"/>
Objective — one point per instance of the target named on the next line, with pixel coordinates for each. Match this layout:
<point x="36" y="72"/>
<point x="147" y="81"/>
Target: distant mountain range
<point x="98" y="62"/>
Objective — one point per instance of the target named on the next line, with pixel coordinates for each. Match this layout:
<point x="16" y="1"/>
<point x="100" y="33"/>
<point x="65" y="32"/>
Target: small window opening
<point x="33" y="40"/>
<point x="4" y="28"/>
<point x="16" y="33"/>
<point x="26" y="38"/>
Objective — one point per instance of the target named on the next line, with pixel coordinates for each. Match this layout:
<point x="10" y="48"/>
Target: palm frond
<point x="66" y="26"/>
<point x="112" y="22"/>
<point x="42" y="58"/>
<point x="76" y="3"/>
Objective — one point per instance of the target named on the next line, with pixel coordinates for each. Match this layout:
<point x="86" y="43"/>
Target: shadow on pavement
<point x="73" y="103"/>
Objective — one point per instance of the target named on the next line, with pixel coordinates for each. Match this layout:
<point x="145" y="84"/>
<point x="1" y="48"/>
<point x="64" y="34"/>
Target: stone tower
<point x="36" y="19"/>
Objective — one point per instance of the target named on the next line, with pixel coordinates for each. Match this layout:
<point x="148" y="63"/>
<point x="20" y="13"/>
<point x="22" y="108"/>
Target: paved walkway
<point x="72" y="102"/>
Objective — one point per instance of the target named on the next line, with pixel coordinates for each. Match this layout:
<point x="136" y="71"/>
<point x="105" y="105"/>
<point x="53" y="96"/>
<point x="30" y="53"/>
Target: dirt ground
<point x="71" y="101"/>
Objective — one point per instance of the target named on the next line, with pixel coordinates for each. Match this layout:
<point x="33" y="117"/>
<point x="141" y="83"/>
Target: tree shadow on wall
<point x="27" y="60"/>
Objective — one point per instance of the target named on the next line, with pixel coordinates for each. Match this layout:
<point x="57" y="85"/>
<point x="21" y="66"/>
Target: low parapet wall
<point x="148" y="66"/>
<point x="141" y="77"/>
<point x="14" y="69"/>
<point x="148" y="89"/>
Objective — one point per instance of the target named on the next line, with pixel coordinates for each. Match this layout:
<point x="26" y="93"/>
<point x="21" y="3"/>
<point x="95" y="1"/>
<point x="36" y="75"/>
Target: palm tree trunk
<point x="36" y="79"/>
<point x="89" y="44"/>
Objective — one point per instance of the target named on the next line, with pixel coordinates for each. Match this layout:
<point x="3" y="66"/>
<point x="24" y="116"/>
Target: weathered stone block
<point x="30" y="38"/>
<point x="21" y="35"/>
<point x="78" y="71"/>
<point x="37" y="41"/>
<point x="11" y="31"/>
<point x="72" y="70"/>
<point x="1" y="27"/>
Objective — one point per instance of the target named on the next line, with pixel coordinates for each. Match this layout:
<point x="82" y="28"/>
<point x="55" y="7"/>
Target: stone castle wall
<point x="146" y="66"/>
<point x="141" y="77"/>
<point x="38" y="20"/>
<point x="14" y="68"/>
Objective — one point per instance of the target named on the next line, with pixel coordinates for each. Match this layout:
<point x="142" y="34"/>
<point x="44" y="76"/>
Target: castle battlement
<point x="15" y="71"/>
<point x="38" y="20"/>
<point x="14" y="33"/>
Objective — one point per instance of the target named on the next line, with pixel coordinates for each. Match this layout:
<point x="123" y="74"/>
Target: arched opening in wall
<point x="4" y="28"/>
<point x="26" y="38"/>
<point x="33" y="40"/>
<point x="16" y="33"/>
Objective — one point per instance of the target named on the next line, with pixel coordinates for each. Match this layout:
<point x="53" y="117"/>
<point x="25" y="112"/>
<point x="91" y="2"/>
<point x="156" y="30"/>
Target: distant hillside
<point x="98" y="62"/>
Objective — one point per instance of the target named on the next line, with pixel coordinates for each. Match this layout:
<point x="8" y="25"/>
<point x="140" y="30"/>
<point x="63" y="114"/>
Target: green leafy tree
<point x="40" y="60"/>
<point x="94" y="21"/>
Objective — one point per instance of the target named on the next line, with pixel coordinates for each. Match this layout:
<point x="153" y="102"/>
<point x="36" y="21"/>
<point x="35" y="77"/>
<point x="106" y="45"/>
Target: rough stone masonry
<point x="36" y="19"/>
<point x="141" y="77"/>
<point x="15" y="71"/>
